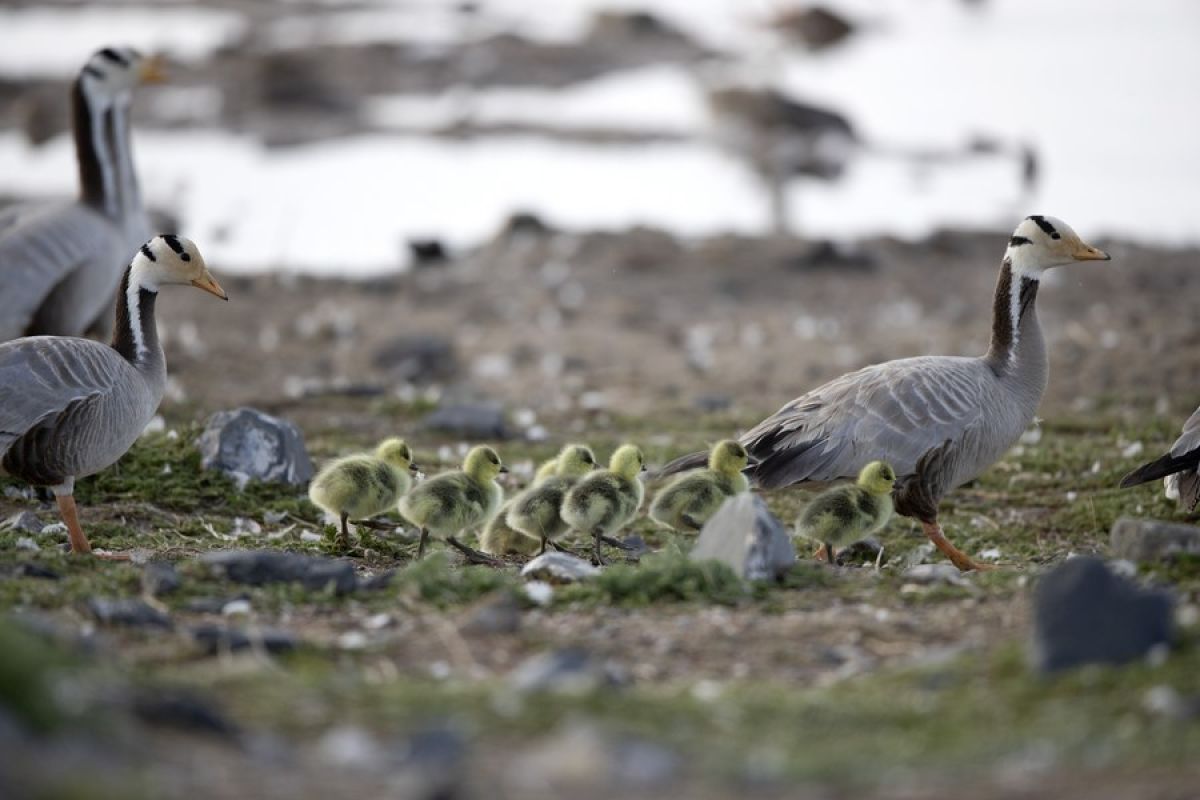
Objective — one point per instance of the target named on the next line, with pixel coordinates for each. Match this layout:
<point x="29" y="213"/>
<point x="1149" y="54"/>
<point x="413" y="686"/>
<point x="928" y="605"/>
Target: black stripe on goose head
<point x="95" y="72"/>
<point x="1017" y="241"/>
<point x="1046" y="227"/>
<point x="112" y="55"/>
<point x="148" y="253"/>
<point x="173" y="242"/>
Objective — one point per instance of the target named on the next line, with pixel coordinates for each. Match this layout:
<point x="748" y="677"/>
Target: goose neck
<point x="1017" y="343"/>
<point x="135" y="334"/>
<point x="104" y="150"/>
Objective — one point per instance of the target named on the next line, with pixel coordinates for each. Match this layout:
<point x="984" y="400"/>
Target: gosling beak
<point x="153" y="70"/>
<point x="414" y="468"/>
<point x="1085" y="252"/>
<point x="503" y="470"/>
<point x="209" y="284"/>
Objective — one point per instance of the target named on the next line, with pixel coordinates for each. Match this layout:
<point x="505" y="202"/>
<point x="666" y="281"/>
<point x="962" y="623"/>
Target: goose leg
<point x="473" y="556"/>
<point x="66" y="509"/>
<point x="545" y="544"/>
<point x="829" y="553"/>
<point x="957" y="557"/>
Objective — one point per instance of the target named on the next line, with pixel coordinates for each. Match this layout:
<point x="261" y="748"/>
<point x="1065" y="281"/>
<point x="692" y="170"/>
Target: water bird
<point x="536" y="512"/>
<point x="499" y="538"/>
<point x="606" y="499"/>
<point x="60" y="263"/>
<point x="70" y="407"/>
<point x="363" y="485"/>
<point x="965" y="410"/>
<point x="687" y="502"/>
<point x="843" y="515"/>
<point x="455" y="501"/>
<point x="1179" y="467"/>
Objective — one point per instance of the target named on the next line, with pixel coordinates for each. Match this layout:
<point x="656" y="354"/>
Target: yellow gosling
<point x="363" y="485"/>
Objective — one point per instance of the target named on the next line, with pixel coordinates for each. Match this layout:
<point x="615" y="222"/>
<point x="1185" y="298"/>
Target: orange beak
<point x="209" y="284"/>
<point x="1085" y="252"/>
<point x="153" y="69"/>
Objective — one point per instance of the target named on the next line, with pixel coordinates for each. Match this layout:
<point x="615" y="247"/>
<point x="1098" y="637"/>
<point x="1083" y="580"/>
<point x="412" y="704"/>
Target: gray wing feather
<point x="39" y="247"/>
<point x="895" y="411"/>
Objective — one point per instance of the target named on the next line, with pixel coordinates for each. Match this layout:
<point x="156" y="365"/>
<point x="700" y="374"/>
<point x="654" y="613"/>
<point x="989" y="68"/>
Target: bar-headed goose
<point x="60" y="263"/>
<point x="966" y="411"/>
<point x="71" y="407"/>
<point x="1180" y="467"/>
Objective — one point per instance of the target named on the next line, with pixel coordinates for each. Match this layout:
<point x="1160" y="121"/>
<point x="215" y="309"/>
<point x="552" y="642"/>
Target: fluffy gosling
<point x="363" y="485"/>
<point x="844" y="515"/>
<point x="499" y="538"/>
<point x="605" y="500"/>
<point x="535" y="513"/>
<point x="458" y="500"/>
<point x="687" y="502"/>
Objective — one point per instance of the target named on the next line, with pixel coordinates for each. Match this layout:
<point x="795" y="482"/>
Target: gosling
<point x="844" y="515"/>
<point x="363" y="485"/>
<point x="499" y="538"/>
<point x="458" y="500"/>
<point x="687" y="502"/>
<point x="605" y="500"/>
<point x="535" y="513"/>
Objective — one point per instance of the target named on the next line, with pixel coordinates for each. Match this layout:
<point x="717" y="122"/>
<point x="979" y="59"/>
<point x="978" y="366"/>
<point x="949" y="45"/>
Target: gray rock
<point x="418" y="359"/>
<point x="497" y="614"/>
<point x="931" y="574"/>
<point x="212" y="605"/>
<point x="745" y="535"/>
<point x="559" y="568"/>
<point x="182" y="710"/>
<point x="28" y="569"/>
<point x="1085" y="614"/>
<point x="127" y="611"/>
<point x="216" y="638"/>
<point x="470" y="420"/>
<point x="247" y="444"/>
<point x="23" y="522"/>
<point x="643" y="763"/>
<point x="260" y="567"/>
<point x="570" y="670"/>
<point x="160" y="577"/>
<point x="1141" y="540"/>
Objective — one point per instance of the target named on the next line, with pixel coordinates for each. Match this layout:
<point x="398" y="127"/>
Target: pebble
<point x="1149" y="540"/>
<point x="247" y="444"/>
<point x="215" y="638"/>
<point x="1086" y="614"/>
<point x="160" y="577"/>
<point x="26" y="543"/>
<point x="261" y="567"/>
<point x="24" y="522"/>
<point x="183" y="710"/>
<point x="128" y="612"/>
<point x="930" y="574"/>
<point x="470" y="420"/>
<point x="500" y="614"/>
<point x="555" y="567"/>
<point x="569" y="670"/>
<point x="745" y="535"/>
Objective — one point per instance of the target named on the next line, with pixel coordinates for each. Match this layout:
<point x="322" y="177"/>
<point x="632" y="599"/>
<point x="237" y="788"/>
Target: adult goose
<point x="1180" y="466"/>
<point x="938" y="420"/>
<point x="71" y="407"/>
<point x="60" y="262"/>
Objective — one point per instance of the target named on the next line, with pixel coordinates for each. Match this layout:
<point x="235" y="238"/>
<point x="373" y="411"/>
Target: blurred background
<point x="578" y="204"/>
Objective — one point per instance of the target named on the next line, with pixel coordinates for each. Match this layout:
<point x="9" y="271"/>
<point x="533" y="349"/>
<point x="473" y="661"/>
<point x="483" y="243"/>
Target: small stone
<point x="865" y="551"/>
<point x="1143" y="540"/>
<point x="215" y="638"/>
<point x="470" y="420"/>
<point x="352" y="640"/>
<point x="129" y="612"/>
<point x="274" y="517"/>
<point x="310" y="536"/>
<point x="261" y="567"/>
<point x="27" y="543"/>
<point x="23" y="522"/>
<point x="745" y="535"/>
<point x="212" y="605"/>
<point x="570" y="670"/>
<point x="559" y="568"/>
<point x="28" y="569"/>
<point x="160" y="577"/>
<point x="235" y="608"/>
<point x="247" y="444"/>
<point x="932" y="574"/>
<point x="419" y="359"/>
<point x="712" y="403"/>
<point x="377" y="621"/>
<point x="500" y="615"/>
<point x="539" y="592"/>
<point x="1166" y="701"/>
<point x="816" y="27"/>
<point x="643" y="763"/>
<point x="54" y="529"/>
<point x="350" y="746"/>
<point x="183" y="710"/>
<point x="1084" y="614"/>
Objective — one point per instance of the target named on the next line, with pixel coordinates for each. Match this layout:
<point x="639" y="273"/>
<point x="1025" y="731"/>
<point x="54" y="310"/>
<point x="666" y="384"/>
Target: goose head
<point x="169" y="259"/>
<point x="114" y="72"/>
<point x="878" y="477"/>
<point x="728" y="457"/>
<point x="397" y="453"/>
<point x="1041" y="242"/>
<point x="483" y="464"/>
<point x="627" y="461"/>
<point x="575" y="460"/>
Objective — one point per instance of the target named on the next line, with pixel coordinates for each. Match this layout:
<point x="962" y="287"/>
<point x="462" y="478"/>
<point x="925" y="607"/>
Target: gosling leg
<point x="597" y="557"/>
<point x="342" y="540"/>
<point x="421" y="546"/>
<point x="473" y="556"/>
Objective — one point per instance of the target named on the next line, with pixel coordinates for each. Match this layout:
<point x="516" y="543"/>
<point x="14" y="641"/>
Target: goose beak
<point x="209" y="284"/>
<point x="1085" y="252"/>
<point x="153" y="70"/>
<point x="503" y="470"/>
<point x="414" y="468"/>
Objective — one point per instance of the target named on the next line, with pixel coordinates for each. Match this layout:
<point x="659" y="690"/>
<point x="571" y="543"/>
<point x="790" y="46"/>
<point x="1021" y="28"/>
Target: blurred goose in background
<point x="687" y="502"/>
<point x="958" y="414"/>
<point x="535" y="513"/>
<point x="843" y="515"/>
<point x="71" y="407"/>
<point x="1180" y="467"/>
<point x="60" y="263"/>
<point x="456" y="501"/>
<point x="606" y="499"/>
<point x="780" y="138"/>
<point x="499" y="538"/>
<point x="363" y="485"/>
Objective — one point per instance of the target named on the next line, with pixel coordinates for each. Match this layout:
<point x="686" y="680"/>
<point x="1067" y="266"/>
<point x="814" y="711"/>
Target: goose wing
<point x="1183" y="455"/>
<point x="43" y="378"/>
<point x="39" y="247"/>
<point x="895" y="411"/>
